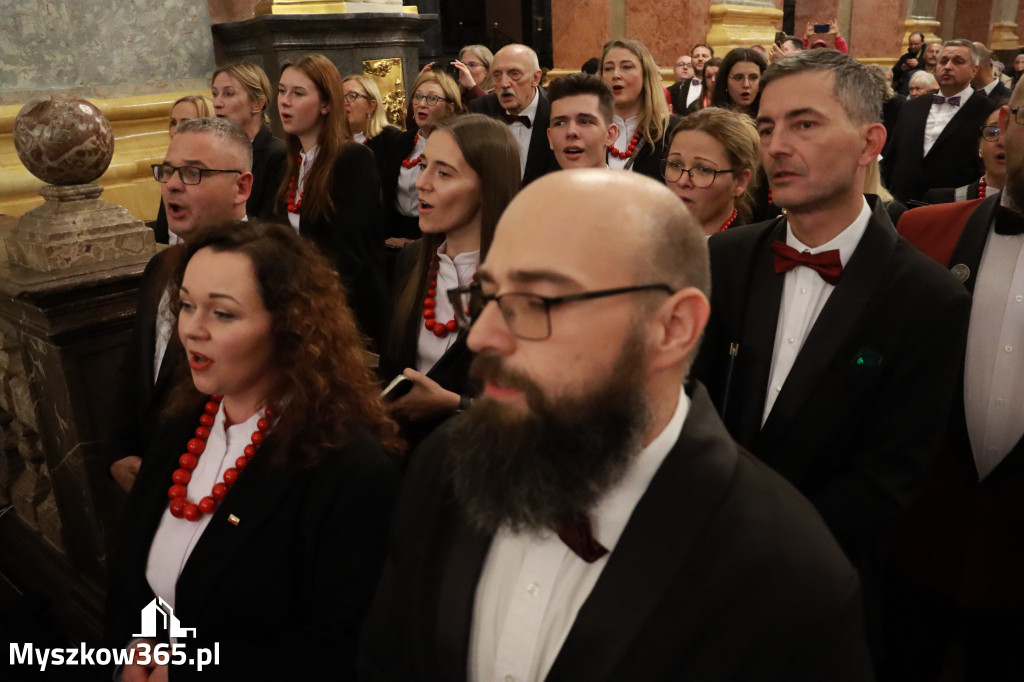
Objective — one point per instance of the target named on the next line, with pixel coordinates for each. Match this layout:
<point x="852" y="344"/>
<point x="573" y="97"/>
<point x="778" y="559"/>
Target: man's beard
<point x="1013" y="186"/>
<point x="546" y="468"/>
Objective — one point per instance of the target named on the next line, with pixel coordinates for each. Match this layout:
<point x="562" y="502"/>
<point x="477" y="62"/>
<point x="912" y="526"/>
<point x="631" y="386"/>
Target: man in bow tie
<point x="832" y="347"/>
<point x="935" y="142"/>
<point x="519" y="101"/>
<point x="588" y="518"/>
<point x="960" y="550"/>
<point x="686" y="89"/>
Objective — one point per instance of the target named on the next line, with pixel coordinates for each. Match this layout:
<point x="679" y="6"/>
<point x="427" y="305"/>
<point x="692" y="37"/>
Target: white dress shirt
<point x="165" y="324"/>
<point x="994" y="364"/>
<point x="626" y="126"/>
<point x="359" y="137"/>
<point x="987" y="89"/>
<point x="804" y="294"/>
<point x="305" y="164"/>
<point x="532" y="585"/>
<point x="451" y="274"/>
<point x="939" y="116"/>
<point x="176" y="538"/>
<point x="523" y="134"/>
<point x="693" y="93"/>
<point x="407" y="199"/>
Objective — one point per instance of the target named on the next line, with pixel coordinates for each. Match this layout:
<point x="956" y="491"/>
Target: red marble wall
<point x="974" y="20"/>
<point x="669" y="29"/>
<point x="223" y="11"/>
<point x="818" y="11"/>
<point x="578" y="30"/>
<point x="876" y="29"/>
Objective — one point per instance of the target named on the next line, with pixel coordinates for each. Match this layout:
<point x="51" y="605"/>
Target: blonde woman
<point x="367" y="119"/>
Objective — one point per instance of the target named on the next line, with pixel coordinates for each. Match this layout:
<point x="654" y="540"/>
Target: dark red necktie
<point x="827" y="263"/>
<point x="579" y="539"/>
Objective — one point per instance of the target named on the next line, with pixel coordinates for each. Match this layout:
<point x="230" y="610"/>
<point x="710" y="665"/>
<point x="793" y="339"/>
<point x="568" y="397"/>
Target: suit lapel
<point x="959" y="120"/>
<point x="539" y="148"/>
<point x="861" y="276"/>
<point x="661" y="534"/>
<point x="966" y="257"/>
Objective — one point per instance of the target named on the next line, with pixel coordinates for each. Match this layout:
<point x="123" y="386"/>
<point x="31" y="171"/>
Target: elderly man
<point x="960" y="550"/>
<point x="582" y="108"/>
<point x="519" y="100"/>
<point x="587" y="518"/>
<point x="205" y="180"/>
<point x="935" y="143"/>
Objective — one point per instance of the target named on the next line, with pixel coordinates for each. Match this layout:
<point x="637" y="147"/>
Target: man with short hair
<point x="908" y="62"/>
<point x="960" y="550"/>
<point x="985" y="80"/>
<point x="832" y="346"/>
<point x="519" y="100"/>
<point x="587" y="518"/>
<point x="205" y="181"/>
<point x="935" y="143"/>
<point x="700" y="54"/>
<point x="581" y="129"/>
<point x="683" y="68"/>
<point x="686" y="89"/>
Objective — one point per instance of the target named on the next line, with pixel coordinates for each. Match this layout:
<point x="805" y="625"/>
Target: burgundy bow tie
<point x="510" y="119"/>
<point x="952" y="101"/>
<point x="579" y="539"/>
<point x="827" y="263"/>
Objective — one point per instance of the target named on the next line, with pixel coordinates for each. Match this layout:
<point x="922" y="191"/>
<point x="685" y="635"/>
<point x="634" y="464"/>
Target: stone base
<point x="742" y="26"/>
<point x="1004" y="36"/>
<point x="264" y="7"/>
<point x="74" y="228"/>
<point x="929" y="27"/>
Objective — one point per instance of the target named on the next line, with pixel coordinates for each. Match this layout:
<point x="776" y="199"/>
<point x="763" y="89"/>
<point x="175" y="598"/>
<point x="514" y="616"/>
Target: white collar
<point x="846" y="241"/>
<point x="530" y="111"/>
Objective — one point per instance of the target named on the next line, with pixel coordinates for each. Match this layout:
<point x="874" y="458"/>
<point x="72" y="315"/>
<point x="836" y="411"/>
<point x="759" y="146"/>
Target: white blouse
<point x="407" y="199"/>
<point x="451" y="274"/>
<point x="305" y="164"/>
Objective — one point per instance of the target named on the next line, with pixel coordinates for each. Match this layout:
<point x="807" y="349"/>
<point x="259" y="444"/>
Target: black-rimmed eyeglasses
<point x="528" y="316"/>
<point x="189" y="175"/>
<point x="431" y="99"/>
<point x="351" y="97"/>
<point x="699" y="175"/>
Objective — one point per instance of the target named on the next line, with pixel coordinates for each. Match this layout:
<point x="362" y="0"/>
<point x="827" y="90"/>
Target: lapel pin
<point x="867" y="358"/>
<point x="961" y="272"/>
<point x="233" y="520"/>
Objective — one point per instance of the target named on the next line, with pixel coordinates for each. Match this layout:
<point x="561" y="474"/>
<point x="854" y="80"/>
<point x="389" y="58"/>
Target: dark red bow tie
<point x="951" y="101"/>
<point x="827" y="263"/>
<point x="579" y="539"/>
<point x="510" y="119"/>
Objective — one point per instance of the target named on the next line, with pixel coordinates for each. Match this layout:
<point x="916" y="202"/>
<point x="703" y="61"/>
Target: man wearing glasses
<point x="587" y="518"/>
<point x="960" y="550"/>
<point x="205" y="180"/>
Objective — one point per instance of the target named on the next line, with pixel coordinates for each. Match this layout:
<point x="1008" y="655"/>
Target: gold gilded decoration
<point x="264" y="7"/>
<point x="387" y="73"/>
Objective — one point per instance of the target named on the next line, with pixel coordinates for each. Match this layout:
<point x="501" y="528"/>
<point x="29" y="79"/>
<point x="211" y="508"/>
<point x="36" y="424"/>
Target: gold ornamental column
<point x="1004" y="31"/>
<point x="742" y="23"/>
<point x="921" y="19"/>
<point x="264" y="7"/>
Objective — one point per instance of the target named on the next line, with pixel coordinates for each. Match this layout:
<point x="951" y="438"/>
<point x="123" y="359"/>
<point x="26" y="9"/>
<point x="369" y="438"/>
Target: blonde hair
<point x="486" y="57"/>
<point x="202" y="103"/>
<point x="378" y="117"/>
<point x="654" y="114"/>
<point x="253" y="79"/>
<point x="873" y="183"/>
<point x="448" y="86"/>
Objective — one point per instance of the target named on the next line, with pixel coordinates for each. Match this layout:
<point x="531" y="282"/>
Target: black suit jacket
<point x="349" y="236"/>
<point x="860" y="414"/>
<point x="647" y="160"/>
<point x="962" y="539"/>
<point x="999" y="92"/>
<point x="285" y="590"/>
<point x="697" y="588"/>
<point x="679" y="92"/>
<point x="540" y="159"/>
<point x="269" y="162"/>
<point x="139" y="397"/>
<point x="947" y="195"/>
<point x="390" y="162"/>
<point x="952" y="161"/>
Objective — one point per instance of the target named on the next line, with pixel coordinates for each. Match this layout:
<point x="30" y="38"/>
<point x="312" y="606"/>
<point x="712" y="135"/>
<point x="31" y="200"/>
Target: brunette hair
<point x="654" y="115"/>
<point x="486" y="58"/>
<point x="316" y="199"/>
<point x="584" y="84"/>
<point x="253" y="79"/>
<point x="202" y="103"/>
<point x="378" y="119"/>
<point x="738" y="136"/>
<point x="325" y="394"/>
<point x="492" y="152"/>
<point x="720" y="97"/>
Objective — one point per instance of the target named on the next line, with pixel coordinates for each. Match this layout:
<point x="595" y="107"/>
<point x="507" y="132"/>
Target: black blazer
<point x="390" y="162"/>
<point x="269" y="163"/>
<point x="999" y="92"/>
<point x="540" y="159"/>
<point x="948" y="195"/>
<point x="697" y="588"/>
<point x="862" y="409"/>
<point x="679" y="92"/>
<point x="285" y="590"/>
<point x="952" y="161"/>
<point x="647" y="161"/>
<point x="381" y="143"/>
<point x="139" y="398"/>
<point x="350" y="237"/>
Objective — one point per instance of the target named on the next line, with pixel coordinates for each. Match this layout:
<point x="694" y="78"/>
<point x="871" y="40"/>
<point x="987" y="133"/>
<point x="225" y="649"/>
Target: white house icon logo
<point x="158" y="607"/>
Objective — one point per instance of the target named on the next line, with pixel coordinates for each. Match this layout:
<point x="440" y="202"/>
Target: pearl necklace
<point x="180" y="505"/>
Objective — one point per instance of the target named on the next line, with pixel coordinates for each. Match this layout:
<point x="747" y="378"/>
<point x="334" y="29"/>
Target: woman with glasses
<point x="331" y="189"/>
<point x="712" y="167"/>
<point x="738" y="85"/>
<point x="641" y="112"/>
<point x="435" y="97"/>
<point x="477" y="59"/>
<point x="469" y="172"/>
<point x="241" y="94"/>
<point x="367" y="118"/>
<point x="992" y="150"/>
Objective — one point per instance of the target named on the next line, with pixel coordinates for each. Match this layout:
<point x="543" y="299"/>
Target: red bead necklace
<point x="730" y="221"/>
<point x="180" y="505"/>
<point x="629" y="150"/>
<point x="982" y="186"/>
<point x="293" y="204"/>
<point x="410" y="162"/>
<point x="440" y="329"/>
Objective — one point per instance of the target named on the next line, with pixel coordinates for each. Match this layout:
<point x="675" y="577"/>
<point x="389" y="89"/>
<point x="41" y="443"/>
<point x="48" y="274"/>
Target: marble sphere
<point x="63" y="141"/>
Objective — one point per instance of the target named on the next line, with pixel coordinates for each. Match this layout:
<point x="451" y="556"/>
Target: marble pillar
<point x="579" y="28"/>
<point x="1004" y="31"/>
<point x="921" y="18"/>
<point x="975" y="19"/>
<point x="742" y="23"/>
<point x="876" y="32"/>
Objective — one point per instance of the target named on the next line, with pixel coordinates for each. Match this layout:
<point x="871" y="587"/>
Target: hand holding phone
<point x="398" y="387"/>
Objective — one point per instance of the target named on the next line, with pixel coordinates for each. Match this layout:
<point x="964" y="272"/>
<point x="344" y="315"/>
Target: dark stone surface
<point x="63" y="141"/>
